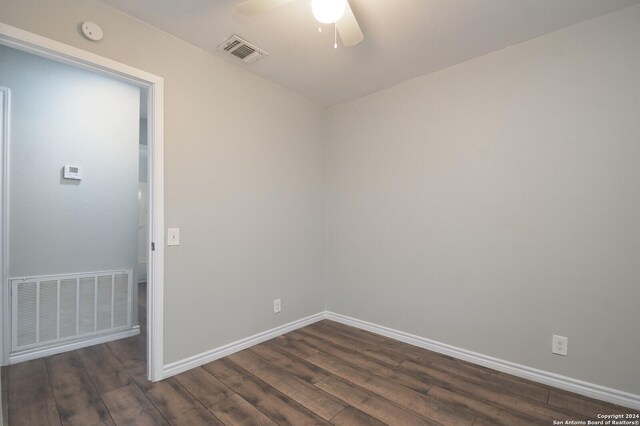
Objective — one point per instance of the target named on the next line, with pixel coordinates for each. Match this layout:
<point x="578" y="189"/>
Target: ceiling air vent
<point x="241" y="49"/>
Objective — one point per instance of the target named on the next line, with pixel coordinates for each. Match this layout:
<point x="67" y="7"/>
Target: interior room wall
<point x="143" y="205"/>
<point x="143" y="208"/>
<point x="496" y="203"/>
<point x="244" y="179"/>
<point x="488" y="206"/>
<point x="61" y="115"/>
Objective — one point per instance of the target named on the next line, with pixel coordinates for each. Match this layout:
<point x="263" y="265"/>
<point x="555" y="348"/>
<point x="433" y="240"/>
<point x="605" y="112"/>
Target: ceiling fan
<point x="336" y="12"/>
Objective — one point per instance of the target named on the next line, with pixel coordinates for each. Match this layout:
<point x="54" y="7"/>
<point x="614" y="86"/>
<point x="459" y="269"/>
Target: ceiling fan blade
<point x="348" y="27"/>
<point x="253" y="7"/>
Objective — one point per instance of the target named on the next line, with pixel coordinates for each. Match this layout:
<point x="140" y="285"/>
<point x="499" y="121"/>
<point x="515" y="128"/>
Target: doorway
<point x="124" y="280"/>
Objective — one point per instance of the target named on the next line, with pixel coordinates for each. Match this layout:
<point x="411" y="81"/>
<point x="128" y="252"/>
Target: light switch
<point x="173" y="236"/>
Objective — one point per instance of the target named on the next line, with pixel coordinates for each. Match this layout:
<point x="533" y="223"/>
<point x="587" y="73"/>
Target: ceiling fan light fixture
<point x="328" y="11"/>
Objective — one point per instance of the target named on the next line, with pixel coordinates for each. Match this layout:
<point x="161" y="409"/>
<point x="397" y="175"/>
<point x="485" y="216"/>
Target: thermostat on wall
<point x="73" y="172"/>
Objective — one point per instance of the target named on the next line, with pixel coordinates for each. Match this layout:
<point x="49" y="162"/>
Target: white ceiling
<point x="403" y="38"/>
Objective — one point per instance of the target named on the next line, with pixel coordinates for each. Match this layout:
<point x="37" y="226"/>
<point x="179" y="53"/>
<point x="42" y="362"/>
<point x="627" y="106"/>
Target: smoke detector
<point x="92" y="31"/>
<point x="242" y="49"/>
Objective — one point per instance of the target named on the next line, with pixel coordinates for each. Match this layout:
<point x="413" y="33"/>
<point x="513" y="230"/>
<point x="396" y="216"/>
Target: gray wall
<point x="61" y="115"/>
<point x="243" y="179"/>
<point x="143" y="169"/>
<point x="497" y="202"/>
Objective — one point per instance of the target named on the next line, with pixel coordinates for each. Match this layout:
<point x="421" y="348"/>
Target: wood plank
<point x="482" y="422"/>
<point x="105" y="423"/>
<point x="420" y="404"/>
<point x="133" y="362"/>
<point x="66" y="370"/>
<point x="218" y="366"/>
<point x="489" y="393"/>
<point x="236" y="411"/>
<point x="177" y="405"/>
<point x="588" y="407"/>
<point x="295" y="334"/>
<point x="81" y="405"/>
<point x="129" y="406"/>
<point x="138" y="373"/>
<point x="29" y="396"/>
<point x="321" y="403"/>
<point x="376" y="345"/>
<point x="25" y="369"/>
<point x="387" y="356"/>
<point x="351" y="356"/>
<point x="131" y="352"/>
<point x="419" y="354"/>
<point x="471" y="371"/>
<point x="336" y="337"/>
<point x="351" y="416"/>
<point x="104" y="368"/>
<point x="77" y="398"/>
<point x="493" y="413"/>
<point x="355" y="333"/>
<point x="294" y="365"/>
<point x="263" y="370"/>
<point x="421" y="384"/>
<point x="316" y="400"/>
<point x="370" y="403"/>
<point x="289" y="344"/>
<point x="203" y="386"/>
<point x="277" y="406"/>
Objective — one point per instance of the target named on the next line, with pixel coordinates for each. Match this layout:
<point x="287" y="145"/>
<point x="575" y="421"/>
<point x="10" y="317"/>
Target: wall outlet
<point x="277" y="306"/>
<point x="559" y="345"/>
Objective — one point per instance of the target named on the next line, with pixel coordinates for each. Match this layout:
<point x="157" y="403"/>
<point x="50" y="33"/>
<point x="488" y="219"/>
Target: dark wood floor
<point x="326" y="373"/>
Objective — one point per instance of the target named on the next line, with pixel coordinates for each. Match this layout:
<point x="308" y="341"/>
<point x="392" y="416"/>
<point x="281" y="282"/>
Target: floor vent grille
<point x="51" y="310"/>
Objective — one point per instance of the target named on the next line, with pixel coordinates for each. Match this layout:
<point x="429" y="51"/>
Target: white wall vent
<point x="52" y="310"/>
<point x="242" y="49"/>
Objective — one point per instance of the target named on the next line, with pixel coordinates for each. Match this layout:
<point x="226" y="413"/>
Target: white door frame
<point x="47" y="48"/>
<point x="5" y="330"/>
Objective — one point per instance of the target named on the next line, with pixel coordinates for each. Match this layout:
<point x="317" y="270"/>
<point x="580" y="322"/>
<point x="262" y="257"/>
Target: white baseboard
<point x="233" y="347"/>
<point x="591" y="390"/>
<point x="71" y="346"/>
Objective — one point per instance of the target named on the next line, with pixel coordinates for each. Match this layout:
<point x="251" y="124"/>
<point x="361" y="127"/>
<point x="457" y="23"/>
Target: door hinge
<point x="153" y="246"/>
